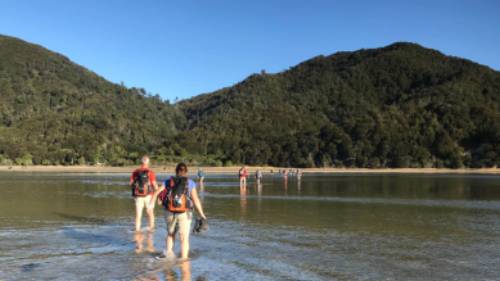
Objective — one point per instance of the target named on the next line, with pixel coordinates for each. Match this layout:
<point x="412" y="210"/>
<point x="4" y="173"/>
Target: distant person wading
<point x="143" y="185"/>
<point x="258" y="176"/>
<point x="243" y="174"/>
<point x="201" y="176"/>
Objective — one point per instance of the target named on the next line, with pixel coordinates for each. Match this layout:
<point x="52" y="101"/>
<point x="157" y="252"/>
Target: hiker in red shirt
<point x="243" y="173"/>
<point x="143" y="184"/>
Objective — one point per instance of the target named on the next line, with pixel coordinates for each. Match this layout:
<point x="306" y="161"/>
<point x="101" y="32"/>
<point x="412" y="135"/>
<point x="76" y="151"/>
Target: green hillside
<point x="53" y="111"/>
<point x="398" y="106"/>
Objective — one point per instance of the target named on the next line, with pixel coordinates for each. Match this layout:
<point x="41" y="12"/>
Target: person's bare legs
<point x="184" y="226"/>
<point x="169" y="251"/>
<point x="170" y="242"/>
<point x="243" y="182"/>
<point x="138" y="213"/>
<point x="184" y="239"/>
<point x="151" y="217"/>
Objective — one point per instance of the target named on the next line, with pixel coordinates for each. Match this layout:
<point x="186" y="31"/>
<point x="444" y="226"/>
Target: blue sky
<point x="184" y="48"/>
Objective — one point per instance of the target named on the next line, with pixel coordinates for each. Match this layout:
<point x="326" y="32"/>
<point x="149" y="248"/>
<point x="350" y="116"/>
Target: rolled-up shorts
<point x="178" y="222"/>
<point x="142" y="202"/>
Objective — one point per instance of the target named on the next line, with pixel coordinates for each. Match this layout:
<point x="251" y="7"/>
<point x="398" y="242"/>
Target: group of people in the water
<point x="285" y="173"/>
<point x="290" y="173"/>
<point x="178" y="196"/>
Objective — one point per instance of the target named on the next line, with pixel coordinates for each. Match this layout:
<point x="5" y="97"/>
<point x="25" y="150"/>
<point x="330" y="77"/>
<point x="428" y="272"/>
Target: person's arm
<point x="158" y="190"/>
<point x="197" y="203"/>
<point x="152" y="176"/>
<point x="155" y="188"/>
<point x="153" y="182"/>
<point x="132" y="177"/>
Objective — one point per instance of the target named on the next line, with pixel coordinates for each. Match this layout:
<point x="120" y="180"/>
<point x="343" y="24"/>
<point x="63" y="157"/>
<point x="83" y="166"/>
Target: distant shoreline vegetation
<point x="398" y="106"/>
<point x="268" y="170"/>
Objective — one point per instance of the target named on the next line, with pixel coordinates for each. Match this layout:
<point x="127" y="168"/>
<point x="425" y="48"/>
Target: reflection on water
<point x="178" y="271"/>
<point x="185" y="268"/>
<point x="258" y="186"/>
<point x="341" y="227"/>
<point x="243" y="199"/>
<point x="140" y="239"/>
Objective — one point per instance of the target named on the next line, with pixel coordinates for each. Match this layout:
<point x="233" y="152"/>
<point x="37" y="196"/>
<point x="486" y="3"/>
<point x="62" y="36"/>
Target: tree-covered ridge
<point x="53" y="111"/>
<point x="398" y="106"/>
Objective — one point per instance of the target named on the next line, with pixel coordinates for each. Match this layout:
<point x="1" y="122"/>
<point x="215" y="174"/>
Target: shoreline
<point x="234" y="169"/>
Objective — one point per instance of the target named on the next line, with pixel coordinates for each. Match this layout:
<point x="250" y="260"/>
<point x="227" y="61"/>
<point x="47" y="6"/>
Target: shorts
<point x="142" y="202"/>
<point x="178" y="222"/>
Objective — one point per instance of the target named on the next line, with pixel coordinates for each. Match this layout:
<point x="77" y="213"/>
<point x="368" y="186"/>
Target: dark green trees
<point x="53" y="111"/>
<point x="398" y="106"/>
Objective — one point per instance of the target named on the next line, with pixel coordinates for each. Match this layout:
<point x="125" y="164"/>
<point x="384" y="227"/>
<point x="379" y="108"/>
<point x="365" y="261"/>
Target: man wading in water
<point x="143" y="184"/>
<point x="179" y="197"/>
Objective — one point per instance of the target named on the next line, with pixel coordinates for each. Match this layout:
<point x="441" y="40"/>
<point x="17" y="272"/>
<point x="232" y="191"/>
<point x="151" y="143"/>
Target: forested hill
<point x="53" y="111"/>
<point x="398" y="106"/>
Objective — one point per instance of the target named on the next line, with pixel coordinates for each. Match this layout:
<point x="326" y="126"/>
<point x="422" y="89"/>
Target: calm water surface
<point x="325" y="227"/>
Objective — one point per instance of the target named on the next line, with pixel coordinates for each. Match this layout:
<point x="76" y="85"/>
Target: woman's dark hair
<point x="181" y="166"/>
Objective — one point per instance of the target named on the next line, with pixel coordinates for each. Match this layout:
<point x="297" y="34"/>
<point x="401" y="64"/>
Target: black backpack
<point x="175" y="197"/>
<point x="141" y="185"/>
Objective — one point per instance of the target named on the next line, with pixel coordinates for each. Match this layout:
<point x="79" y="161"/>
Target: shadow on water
<point x="87" y="236"/>
<point x="82" y="219"/>
<point x="29" y="267"/>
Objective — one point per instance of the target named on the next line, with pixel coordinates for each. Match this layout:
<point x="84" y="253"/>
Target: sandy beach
<point x="234" y="169"/>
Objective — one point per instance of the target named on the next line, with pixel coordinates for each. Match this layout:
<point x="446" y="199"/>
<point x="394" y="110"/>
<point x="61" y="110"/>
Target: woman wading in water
<point x="179" y="197"/>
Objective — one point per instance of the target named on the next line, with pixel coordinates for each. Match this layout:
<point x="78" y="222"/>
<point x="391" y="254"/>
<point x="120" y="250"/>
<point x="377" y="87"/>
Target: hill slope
<point x="53" y="111"/>
<point x="398" y="106"/>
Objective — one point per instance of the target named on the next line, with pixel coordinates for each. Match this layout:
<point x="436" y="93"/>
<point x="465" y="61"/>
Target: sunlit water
<point x="336" y="227"/>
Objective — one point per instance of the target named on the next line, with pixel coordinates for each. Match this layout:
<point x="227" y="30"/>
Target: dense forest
<point x="53" y="111"/>
<point x="398" y="106"/>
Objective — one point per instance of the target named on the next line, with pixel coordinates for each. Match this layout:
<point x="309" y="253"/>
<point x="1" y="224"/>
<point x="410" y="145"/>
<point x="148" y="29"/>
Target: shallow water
<point x="325" y="227"/>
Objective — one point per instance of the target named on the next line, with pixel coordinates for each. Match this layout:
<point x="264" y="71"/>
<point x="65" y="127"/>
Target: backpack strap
<point x="171" y="185"/>
<point x="186" y="190"/>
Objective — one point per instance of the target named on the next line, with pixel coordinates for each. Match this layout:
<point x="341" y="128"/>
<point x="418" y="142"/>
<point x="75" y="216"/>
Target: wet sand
<point x="234" y="169"/>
